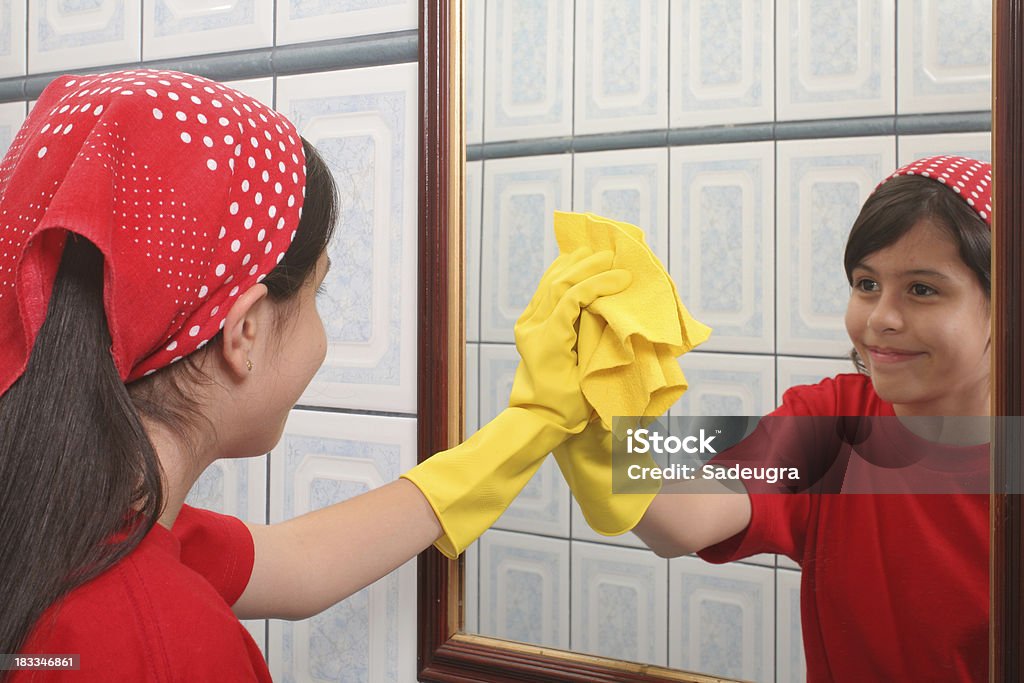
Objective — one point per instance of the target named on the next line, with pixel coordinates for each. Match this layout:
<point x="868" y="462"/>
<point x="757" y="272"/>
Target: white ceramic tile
<point x="835" y="58"/>
<point x="796" y="371"/>
<point x="524" y="588"/>
<point x="629" y="185"/>
<point x="945" y="56"/>
<point x="974" y="145"/>
<point x="722" y="619"/>
<point x="471" y="592"/>
<point x="365" y="123"/>
<point x="543" y="505"/>
<point x="258" y="630"/>
<point x="474" y="181"/>
<point x="619" y="603"/>
<point x="12" y="115"/>
<point x="302" y="21"/>
<point x="236" y="487"/>
<point x="12" y="37"/>
<point x="471" y="422"/>
<point x="786" y="563"/>
<point x="324" y="458"/>
<point x="518" y="241"/>
<point x="722" y="241"/>
<point x="176" y="28"/>
<point x="473" y="38"/>
<point x="81" y="33"/>
<point x="821" y="185"/>
<point x="722" y="62"/>
<point x="621" y="80"/>
<point x="260" y="89"/>
<point x="790" y="663"/>
<point x="528" y="70"/>
<point x="726" y="384"/>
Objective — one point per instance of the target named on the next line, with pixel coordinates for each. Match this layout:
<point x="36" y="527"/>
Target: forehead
<point x="926" y="246"/>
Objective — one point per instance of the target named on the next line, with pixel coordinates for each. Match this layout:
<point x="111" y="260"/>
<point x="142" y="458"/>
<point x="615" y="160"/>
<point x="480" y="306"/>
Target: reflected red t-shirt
<point x="162" y="613"/>
<point x="895" y="587"/>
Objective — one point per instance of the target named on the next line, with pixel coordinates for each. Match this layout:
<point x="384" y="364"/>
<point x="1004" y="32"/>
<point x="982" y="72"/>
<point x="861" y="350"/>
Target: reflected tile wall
<point x="524" y="588"/>
<point x="723" y="241"/>
<point x="722" y="62"/>
<point x="974" y="145"/>
<point x="473" y="25"/>
<point x="473" y="188"/>
<point x="628" y="185"/>
<point x="528" y="67"/>
<point x="619" y="603"/>
<point x="518" y="241"/>
<point x="72" y="35"/>
<point x="793" y="372"/>
<point x="364" y="123"/>
<point x="322" y="459"/>
<point x="12" y="115"/>
<point x="821" y="186"/>
<point x="726" y="384"/>
<point x="301" y="21"/>
<point x="621" y="64"/>
<point x="174" y="28"/>
<point x="791" y="666"/>
<point x="12" y="37"/>
<point x="722" y="619"/>
<point x="835" y="58"/>
<point x="945" y="56"/>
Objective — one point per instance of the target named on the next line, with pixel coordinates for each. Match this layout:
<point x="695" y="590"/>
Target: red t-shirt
<point x="162" y="613"/>
<point x="895" y="587"/>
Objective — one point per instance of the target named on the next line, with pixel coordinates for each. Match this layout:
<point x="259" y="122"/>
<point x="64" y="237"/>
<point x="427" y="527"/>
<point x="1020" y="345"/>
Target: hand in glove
<point x="470" y="486"/>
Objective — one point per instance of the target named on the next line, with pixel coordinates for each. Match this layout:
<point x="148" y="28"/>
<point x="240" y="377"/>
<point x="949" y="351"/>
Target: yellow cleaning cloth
<point x="627" y="348"/>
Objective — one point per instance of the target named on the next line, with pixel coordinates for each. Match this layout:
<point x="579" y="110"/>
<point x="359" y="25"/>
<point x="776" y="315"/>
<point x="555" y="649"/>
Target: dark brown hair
<point x="80" y="481"/>
<point x="896" y="207"/>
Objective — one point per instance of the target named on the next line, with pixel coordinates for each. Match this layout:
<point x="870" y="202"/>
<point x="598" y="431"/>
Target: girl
<point x="162" y="240"/>
<point x="894" y="587"/>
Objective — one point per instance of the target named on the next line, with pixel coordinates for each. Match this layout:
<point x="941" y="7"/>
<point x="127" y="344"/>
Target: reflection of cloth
<point x="894" y="587"/>
<point x="629" y="342"/>
<point x="162" y="613"/>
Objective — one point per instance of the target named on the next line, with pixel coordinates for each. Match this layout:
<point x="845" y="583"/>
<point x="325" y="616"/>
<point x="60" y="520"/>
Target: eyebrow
<point x="918" y="272"/>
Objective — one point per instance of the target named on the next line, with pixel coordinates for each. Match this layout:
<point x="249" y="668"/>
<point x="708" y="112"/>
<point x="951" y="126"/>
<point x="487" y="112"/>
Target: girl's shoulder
<point x="844" y="394"/>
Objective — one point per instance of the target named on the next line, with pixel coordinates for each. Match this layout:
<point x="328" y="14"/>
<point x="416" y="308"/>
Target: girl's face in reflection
<point x="920" y="320"/>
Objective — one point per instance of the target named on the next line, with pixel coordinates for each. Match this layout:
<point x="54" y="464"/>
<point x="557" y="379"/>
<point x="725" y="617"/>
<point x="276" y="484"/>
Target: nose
<point x="887" y="313"/>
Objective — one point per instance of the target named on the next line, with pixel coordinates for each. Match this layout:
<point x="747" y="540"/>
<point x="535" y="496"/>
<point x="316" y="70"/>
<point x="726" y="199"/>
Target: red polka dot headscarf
<point x="190" y="189"/>
<point x="969" y="178"/>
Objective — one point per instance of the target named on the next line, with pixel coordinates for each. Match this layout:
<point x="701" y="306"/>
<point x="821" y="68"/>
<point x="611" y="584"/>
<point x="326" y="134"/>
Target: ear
<point x="245" y="322"/>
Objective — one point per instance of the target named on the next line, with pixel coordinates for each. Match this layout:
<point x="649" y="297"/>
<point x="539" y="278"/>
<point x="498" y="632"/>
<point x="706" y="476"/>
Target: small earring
<point x="248" y="364"/>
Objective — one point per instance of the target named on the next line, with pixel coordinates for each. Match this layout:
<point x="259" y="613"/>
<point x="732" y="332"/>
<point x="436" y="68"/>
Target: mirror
<point x="795" y="119"/>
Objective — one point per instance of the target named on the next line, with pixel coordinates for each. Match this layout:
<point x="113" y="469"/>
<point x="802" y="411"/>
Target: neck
<point x="181" y="468"/>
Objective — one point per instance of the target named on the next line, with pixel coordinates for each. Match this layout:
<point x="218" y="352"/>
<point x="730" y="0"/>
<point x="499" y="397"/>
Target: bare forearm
<point x="688" y="517"/>
<point x="306" y="564"/>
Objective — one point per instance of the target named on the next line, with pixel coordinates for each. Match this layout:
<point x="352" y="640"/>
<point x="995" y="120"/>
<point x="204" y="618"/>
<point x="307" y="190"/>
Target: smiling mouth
<point x="885" y="356"/>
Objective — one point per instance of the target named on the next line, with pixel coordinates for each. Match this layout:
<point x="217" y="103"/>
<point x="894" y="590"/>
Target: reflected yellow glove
<point x="471" y="485"/>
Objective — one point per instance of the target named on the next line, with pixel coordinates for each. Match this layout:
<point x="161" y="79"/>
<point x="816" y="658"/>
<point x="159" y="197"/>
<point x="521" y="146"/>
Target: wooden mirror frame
<point x="444" y="654"/>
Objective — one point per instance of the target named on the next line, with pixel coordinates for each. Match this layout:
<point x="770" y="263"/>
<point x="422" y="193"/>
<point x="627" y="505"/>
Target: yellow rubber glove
<point x="471" y="485"/>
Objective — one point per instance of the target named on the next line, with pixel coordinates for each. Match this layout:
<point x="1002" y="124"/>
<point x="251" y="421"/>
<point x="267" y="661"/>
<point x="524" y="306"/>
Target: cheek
<point x="854" y="319"/>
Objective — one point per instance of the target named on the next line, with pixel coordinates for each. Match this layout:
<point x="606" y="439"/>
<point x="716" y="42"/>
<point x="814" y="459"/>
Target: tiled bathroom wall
<point x="742" y="137"/>
<point x="355" y="427"/>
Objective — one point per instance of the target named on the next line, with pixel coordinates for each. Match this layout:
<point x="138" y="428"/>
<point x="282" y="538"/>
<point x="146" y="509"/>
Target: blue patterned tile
<point x="723" y="241"/>
<point x="235" y="487"/>
<point x="174" y="28"/>
<point x="12" y="114"/>
<point x="524" y="588"/>
<point x="835" y="58"/>
<point x="945" y="56"/>
<point x="726" y="384"/>
<point x="322" y="459"/>
<point x="791" y="665"/>
<point x="474" y="180"/>
<point x="528" y="66"/>
<point x="974" y="145"/>
<point x="626" y="185"/>
<point x="722" y="62"/>
<point x="301" y="21"/>
<point x="12" y="37"/>
<point x="620" y="603"/>
<point x="76" y="33"/>
<point x="363" y="122"/>
<point x="621" y="65"/>
<point x="722" y="619"/>
<point x="792" y="372"/>
<point x="473" y="39"/>
<point x="471" y="420"/>
<point x="518" y="241"/>
<point x="821" y="185"/>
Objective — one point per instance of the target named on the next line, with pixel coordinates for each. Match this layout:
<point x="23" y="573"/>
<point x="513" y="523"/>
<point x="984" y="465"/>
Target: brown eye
<point x="866" y="285"/>
<point x="918" y="289"/>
